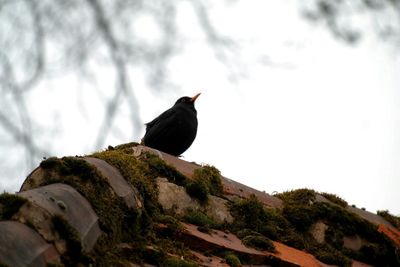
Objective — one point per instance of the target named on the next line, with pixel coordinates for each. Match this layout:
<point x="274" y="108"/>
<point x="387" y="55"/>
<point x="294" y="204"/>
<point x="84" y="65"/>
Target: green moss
<point x="211" y="176"/>
<point x="172" y="246"/>
<point x="199" y="218"/>
<point x="74" y="253"/>
<point x="245" y="232"/>
<point x="345" y="221"/>
<point x="335" y="199"/>
<point x="198" y="189"/>
<point x="298" y="197"/>
<point x="9" y="205"/>
<point x="254" y="239"/>
<point x="384" y="253"/>
<point x="158" y="255"/>
<point x="256" y="224"/>
<point x="206" y="180"/>
<point x="259" y="241"/>
<point x="329" y="255"/>
<point x="70" y="166"/>
<point x="107" y="254"/>
<point x="137" y="173"/>
<point x="251" y="214"/>
<point x="173" y="226"/>
<point x="154" y="256"/>
<point x="127" y="145"/>
<point x="160" y="168"/>
<point x="232" y="260"/>
<point x="300" y="216"/>
<point x="175" y="262"/>
<point x="77" y="166"/>
<point x="334" y="237"/>
<point x="394" y="220"/>
<point x="49" y="163"/>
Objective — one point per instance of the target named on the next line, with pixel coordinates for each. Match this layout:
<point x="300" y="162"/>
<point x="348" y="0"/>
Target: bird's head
<point x="186" y="100"/>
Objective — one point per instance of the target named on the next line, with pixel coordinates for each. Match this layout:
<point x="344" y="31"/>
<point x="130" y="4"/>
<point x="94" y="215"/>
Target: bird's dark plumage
<point x="175" y="129"/>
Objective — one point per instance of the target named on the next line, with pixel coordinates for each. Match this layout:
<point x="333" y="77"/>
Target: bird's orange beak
<point x="195" y="97"/>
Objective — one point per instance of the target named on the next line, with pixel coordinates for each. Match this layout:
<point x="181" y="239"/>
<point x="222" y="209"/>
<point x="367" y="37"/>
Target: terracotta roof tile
<point x="22" y="246"/>
<point x="390" y="232"/>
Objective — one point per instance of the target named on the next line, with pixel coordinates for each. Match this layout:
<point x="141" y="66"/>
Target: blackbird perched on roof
<point x="175" y="129"/>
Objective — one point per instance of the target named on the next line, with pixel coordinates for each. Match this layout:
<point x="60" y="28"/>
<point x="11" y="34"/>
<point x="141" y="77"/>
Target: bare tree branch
<point x="122" y="87"/>
<point x="347" y="19"/>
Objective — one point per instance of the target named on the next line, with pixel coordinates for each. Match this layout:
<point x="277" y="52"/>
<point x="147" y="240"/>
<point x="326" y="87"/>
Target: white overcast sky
<point x="312" y="112"/>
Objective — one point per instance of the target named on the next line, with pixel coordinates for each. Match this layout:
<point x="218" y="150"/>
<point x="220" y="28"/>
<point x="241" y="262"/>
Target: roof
<point x="135" y="206"/>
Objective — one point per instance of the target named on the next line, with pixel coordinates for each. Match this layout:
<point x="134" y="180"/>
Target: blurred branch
<point x="122" y="86"/>
<point x="38" y="48"/>
<point x="21" y="136"/>
<point x="351" y="20"/>
<point x="224" y="48"/>
<point x="76" y="32"/>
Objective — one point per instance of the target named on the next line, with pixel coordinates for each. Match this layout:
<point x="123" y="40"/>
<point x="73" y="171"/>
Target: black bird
<point x="175" y="129"/>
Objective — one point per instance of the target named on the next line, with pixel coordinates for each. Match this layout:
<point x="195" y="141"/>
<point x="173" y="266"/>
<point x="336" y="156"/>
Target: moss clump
<point x="160" y="168"/>
<point x="198" y="189"/>
<point x="155" y="254"/>
<point x="342" y="220"/>
<point x="74" y="253"/>
<point x="232" y="260"/>
<point x="383" y="253"/>
<point x="9" y="205"/>
<point x="335" y="199"/>
<point x="394" y="220"/>
<point x="251" y="214"/>
<point x="173" y="226"/>
<point x="175" y="262"/>
<point x="334" y="237"/>
<point x="300" y="216"/>
<point x="77" y="166"/>
<point x="199" y="218"/>
<point x="70" y="166"/>
<point x="211" y="176"/>
<point x="298" y="197"/>
<point x="259" y="241"/>
<point x="127" y="145"/>
<point x="206" y="180"/>
<point x="49" y="163"/>
<point x="137" y="173"/>
<point x="329" y="255"/>
<point x="254" y="239"/>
